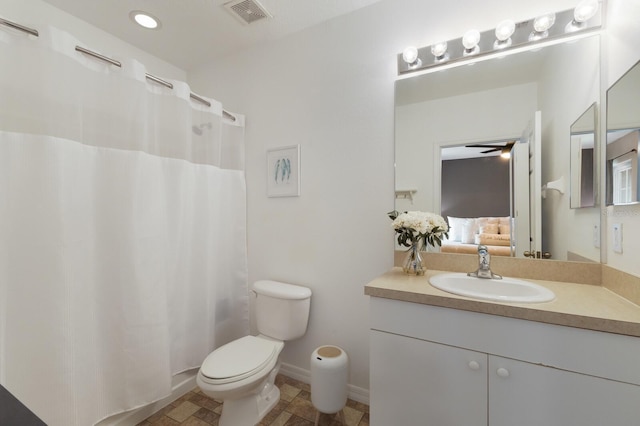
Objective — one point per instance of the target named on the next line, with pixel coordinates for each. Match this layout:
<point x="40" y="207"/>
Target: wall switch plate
<point x="617" y="237"/>
<point x="596" y="236"/>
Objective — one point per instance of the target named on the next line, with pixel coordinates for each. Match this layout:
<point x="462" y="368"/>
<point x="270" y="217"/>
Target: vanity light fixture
<point x="504" y="31"/>
<point x="506" y="152"/>
<point x="507" y="38"/>
<point x="145" y="19"/>
<point x="470" y="41"/>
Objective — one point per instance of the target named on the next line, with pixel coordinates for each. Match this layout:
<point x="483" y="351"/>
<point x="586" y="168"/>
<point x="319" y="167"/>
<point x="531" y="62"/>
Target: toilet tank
<point x="282" y="310"/>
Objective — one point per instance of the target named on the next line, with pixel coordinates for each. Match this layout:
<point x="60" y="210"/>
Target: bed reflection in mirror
<point x="475" y="197"/>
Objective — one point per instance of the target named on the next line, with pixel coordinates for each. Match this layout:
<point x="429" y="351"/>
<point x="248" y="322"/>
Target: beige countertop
<point x="584" y="306"/>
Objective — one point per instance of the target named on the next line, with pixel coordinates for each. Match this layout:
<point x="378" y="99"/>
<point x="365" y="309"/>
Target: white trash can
<point x="329" y="375"/>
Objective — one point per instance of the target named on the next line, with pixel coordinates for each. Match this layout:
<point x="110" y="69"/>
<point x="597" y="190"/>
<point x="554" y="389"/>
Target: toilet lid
<point x="239" y="359"/>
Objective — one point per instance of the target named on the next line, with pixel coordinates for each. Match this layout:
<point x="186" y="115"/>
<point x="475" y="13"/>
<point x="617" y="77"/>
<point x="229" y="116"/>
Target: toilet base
<point x="249" y="410"/>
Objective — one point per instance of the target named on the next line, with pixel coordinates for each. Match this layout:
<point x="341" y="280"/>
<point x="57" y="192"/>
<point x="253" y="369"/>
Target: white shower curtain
<point x="122" y="230"/>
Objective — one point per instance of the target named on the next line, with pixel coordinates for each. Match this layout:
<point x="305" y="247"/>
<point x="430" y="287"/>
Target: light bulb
<point x="470" y="39"/>
<point x="585" y="10"/>
<point x="144" y="19"/>
<point x="505" y="30"/>
<point x="541" y="26"/>
<point x="410" y="55"/>
<point x="544" y="22"/>
<point x="439" y="49"/>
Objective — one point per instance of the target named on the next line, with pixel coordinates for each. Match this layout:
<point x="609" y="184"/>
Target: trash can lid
<point x="329" y="351"/>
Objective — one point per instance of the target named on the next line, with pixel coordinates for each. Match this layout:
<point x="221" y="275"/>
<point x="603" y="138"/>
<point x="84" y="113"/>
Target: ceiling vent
<point x="247" y="11"/>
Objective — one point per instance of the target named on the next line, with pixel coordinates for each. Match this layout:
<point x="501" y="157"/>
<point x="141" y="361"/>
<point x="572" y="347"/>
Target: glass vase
<point x="413" y="262"/>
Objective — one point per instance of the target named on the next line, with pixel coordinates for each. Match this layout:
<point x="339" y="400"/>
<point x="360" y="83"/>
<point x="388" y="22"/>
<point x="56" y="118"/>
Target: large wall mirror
<point x="455" y="125"/>
<point x="623" y="139"/>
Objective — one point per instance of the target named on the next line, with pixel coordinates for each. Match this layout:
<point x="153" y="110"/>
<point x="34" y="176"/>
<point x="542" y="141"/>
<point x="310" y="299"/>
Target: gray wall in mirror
<point x="583" y="160"/>
<point x="495" y="100"/>
<point x="487" y="194"/>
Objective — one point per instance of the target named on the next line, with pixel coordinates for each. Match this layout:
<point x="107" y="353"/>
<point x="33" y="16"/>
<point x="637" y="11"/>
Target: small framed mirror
<point x="623" y="139"/>
<point x="583" y="159"/>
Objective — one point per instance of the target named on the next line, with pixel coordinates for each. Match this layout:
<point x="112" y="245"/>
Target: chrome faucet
<point x="484" y="265"/>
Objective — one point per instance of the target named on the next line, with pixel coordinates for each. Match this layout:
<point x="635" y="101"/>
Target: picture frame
<point x="283" y="171"/>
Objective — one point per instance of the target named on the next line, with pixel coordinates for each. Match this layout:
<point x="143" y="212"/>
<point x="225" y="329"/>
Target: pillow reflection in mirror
<point x="489" y="228"/>
<point x="469" y="230"/>
<point x="455" y="228"/>
<point x="504" y="228"/>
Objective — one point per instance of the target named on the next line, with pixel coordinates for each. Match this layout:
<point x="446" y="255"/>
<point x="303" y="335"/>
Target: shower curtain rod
<point x="115" y="63"/>
<point x="19" y="27"/>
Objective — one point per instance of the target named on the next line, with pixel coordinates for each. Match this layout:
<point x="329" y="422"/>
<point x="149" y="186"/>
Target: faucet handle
<point x="484" y="267"/>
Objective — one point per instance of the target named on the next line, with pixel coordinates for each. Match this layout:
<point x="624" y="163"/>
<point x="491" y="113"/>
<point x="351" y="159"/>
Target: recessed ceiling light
<point x="144" y="19"/>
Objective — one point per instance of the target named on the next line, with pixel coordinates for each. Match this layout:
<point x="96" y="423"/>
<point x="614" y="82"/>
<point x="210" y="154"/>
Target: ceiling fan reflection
<point x="505" y="150"/>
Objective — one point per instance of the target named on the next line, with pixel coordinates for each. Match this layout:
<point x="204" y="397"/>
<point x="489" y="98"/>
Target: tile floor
<point x="294" y="409"/>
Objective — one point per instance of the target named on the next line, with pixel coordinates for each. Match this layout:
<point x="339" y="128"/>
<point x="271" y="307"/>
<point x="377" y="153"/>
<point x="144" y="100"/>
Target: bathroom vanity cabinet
<point x="439" y="366"/>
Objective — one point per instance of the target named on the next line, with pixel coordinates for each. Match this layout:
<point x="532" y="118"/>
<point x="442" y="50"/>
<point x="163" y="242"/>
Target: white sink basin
<point x="504" y="290"/>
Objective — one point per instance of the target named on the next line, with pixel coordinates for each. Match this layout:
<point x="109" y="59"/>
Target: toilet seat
<point x="240" y="359"/>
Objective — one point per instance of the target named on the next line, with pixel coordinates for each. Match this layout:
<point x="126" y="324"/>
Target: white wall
<point x="621" y="44"/>
<point x="37" y="14"/>
<point x="331" y="90"/>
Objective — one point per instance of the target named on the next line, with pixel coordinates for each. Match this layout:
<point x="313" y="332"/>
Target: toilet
<point x="242" y="372"/>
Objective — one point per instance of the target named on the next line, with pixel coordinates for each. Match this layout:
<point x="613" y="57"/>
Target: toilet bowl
<point x="242" y="373"/>
<point x="238" y="367"/>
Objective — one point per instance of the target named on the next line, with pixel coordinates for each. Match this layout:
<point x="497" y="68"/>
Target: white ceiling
<point x="196" y="32"/>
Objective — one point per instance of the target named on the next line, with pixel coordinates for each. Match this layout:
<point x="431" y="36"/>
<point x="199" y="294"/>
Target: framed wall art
<point x="283" y="171"/>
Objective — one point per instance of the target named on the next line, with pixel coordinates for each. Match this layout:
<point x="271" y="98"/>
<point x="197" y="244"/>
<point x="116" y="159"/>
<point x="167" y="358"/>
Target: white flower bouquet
<point x="414" y="226"/>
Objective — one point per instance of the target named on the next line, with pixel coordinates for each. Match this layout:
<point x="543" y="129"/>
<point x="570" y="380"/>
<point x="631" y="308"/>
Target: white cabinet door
<point x="415" y="382"/>
<point x="525" y="394"/>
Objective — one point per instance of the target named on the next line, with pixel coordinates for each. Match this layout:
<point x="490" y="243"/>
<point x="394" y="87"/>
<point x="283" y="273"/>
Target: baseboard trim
<point x="355" y="393"/>
<point x="295" y="372"/>
<point x="182" y="384"/>
<point x="186" y="382"/>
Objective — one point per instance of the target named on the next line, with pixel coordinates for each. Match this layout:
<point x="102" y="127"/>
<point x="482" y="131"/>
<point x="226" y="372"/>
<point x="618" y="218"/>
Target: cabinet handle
<point x="474" y="365"/>
<point x="502" y="372"/>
